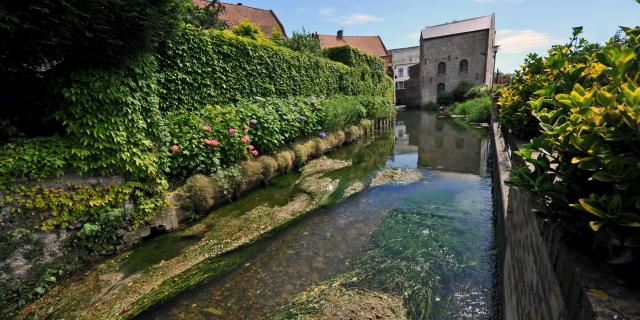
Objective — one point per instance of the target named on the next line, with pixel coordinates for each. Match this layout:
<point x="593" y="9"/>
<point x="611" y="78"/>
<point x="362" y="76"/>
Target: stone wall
<point x="541" y="276"/>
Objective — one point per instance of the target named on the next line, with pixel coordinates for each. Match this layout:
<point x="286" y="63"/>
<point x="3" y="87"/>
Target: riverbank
<point x="127" y="284"/>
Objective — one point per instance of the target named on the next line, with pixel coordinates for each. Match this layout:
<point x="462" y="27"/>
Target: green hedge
<point x="213" y="67"/>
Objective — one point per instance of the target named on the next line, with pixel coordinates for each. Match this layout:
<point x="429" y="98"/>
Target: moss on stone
<point x="269" y="167"/>
<point x="332" y="300"/>
<point x="285" y="159"/>
<point x="199" y="194"/>
<point x="250" y="174"/>
<point x="397" y="176"/>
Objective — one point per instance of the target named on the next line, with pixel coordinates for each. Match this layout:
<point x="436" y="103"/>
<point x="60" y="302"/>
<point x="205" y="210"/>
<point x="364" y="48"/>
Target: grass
<point x="474" y="110"/>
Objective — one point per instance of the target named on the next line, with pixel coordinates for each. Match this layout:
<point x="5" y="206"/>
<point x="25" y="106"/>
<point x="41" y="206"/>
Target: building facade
<point x="401" y="60"/>
<point x="454" y="52"/>
<point x="233" y="13"/>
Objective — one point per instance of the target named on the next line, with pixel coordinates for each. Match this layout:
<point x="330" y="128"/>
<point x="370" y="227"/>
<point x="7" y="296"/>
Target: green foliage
<point x="99" y="235"/>
<point x="463" y="91"/>
<point x="114" y="116"/>
<point x="475" y="110"/>
<point x="303" y="41"/>
<point x="206" y="17"/>
<point x="61" y="207"/>
<point x="340" y="111"/>
<point x="200" y="68"/>
<point x="37" y="158"/>
<point x="78" y="32"/>
<point x="249" y="30"/>
<point x="586" y="158"/>
<point x="194" y="134"/>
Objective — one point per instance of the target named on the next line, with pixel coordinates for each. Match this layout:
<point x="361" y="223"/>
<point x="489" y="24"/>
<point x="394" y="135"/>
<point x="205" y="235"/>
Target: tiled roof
<point x="232" y="14"/>
<point x="368" y="44"/>
<point x="464" y="26"/>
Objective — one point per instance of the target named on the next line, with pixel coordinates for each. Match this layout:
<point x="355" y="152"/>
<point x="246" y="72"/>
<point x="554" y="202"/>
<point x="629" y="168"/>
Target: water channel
<point x="430" y="242"/>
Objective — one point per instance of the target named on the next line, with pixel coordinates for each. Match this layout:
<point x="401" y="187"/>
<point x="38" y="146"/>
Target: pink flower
<point x="231" y="131"/>
<point x="214" y="143"/>
<point x="206" y="128"/>
<point x="206" y="141"/>
<point x="245" y="139"/>
<point x="253" y="122"/>
<point x="176" y="148"/>
<point x="251" y="147"/>
<point x="245" y="128"/>
<point x="254" y="153"/>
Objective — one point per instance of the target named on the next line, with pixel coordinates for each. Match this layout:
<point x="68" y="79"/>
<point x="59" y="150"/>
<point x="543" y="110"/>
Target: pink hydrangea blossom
<point x="254" y="153"/>
<point x="206" y="141"/>
<point x="251" y="147"/>
<point x="214" y="143"/>
<point x="245" y="128"/>
<point x="245" y="139"/>
<point x="232" y="131"/>
<point x="206" y="128"/>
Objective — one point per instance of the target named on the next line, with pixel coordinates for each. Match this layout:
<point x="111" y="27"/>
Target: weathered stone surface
<point x="397" y="176"/>
<point x="333" y="301"/>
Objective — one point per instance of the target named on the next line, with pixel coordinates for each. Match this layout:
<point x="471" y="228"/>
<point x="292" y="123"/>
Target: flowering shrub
<point x="586" y="157"/>
<point x="204" y="140"/>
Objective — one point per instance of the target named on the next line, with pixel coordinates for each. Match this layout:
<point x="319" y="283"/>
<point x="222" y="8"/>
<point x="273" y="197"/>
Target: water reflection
<point x="438" y="143"/>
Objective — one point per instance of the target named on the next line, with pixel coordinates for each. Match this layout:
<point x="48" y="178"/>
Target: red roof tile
<point x="232" y="14"/>
<point x="368" y="44"/>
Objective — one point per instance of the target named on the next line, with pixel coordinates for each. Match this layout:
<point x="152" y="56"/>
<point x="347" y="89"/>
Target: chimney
<point x="340" y="32"/>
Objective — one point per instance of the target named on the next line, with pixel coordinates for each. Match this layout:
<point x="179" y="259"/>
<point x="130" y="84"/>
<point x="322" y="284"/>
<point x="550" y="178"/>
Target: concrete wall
<point x="543" y="277"/>
<point x="473" y="47"/>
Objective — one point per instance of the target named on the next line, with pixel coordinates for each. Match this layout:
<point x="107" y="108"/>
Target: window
<point x="401" y="72"/>
<point x="464" y="66"/>
<point x="441" y="88"/>
<point x="442" y="68"/>
<point x="399" y="85"/>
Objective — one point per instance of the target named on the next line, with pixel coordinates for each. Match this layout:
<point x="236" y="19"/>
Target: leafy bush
<point x="475" y="110"/>
<point x="302" y="41"/>
<point x="114" y="116"/>
<point x="99" y="235"/>
<point x="586" y="157"/>
<point x="444" y="99"/>
<point x="538" y="75"/>
<point x="249" y="30"/>
<point x="199" y="68"/>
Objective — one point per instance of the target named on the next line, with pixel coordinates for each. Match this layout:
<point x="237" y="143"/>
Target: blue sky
<point x="523" y="25"/>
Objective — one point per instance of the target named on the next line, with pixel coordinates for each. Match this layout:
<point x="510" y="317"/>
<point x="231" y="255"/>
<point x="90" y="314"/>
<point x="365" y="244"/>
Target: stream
<point x="430" y="242"/>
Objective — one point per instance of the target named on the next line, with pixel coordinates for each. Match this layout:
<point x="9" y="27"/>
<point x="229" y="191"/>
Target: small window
<point x="399" y="85"/>
<point x="401" y="72"/>
<point x="442" y="68"/>
<point x="464" y="66"/>
<point x="441" y="88"/>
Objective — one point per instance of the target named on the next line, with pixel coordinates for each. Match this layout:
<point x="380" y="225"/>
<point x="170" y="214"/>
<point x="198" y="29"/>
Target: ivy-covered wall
<point x="217" y="67"/>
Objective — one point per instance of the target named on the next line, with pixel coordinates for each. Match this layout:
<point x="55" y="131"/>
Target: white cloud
<point x="354" y="18"/>
<point x="327" y="12"/>
<point x="519" y="41"/>
<point x="358" y="18"/>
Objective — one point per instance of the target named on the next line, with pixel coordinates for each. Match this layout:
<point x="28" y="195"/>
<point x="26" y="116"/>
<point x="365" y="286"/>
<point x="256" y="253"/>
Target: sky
<point x="523" y="26"/>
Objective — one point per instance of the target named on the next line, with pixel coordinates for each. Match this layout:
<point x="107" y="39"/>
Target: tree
<point x="303" y="41"/>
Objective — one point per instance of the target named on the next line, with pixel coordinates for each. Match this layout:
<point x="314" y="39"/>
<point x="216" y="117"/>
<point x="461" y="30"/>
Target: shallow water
<point x="430" y="242"/>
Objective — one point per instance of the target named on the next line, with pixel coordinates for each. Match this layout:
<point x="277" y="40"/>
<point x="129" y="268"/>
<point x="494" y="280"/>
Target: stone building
<point x="454" y="52"/>
<point x="447" y="55"/>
